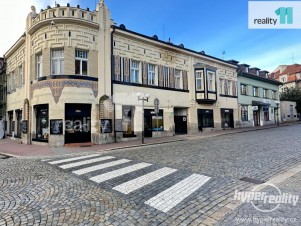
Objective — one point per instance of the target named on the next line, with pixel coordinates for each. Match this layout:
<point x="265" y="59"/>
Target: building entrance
<point x="77" y="123"/>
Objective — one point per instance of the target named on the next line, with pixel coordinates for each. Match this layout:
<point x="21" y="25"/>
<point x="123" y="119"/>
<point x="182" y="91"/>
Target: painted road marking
<point x="144" y="180"/>
<point x="85" y="162"/>
<point x="100" y="166"/>
<point x="73" y="159"/>
<point x="116" y="173"/>
<point x="172" y="196"/>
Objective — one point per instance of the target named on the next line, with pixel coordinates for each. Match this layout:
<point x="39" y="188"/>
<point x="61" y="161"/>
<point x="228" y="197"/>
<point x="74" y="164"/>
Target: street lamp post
<point x="143" y="98"/>
<point x="277" y="105"/>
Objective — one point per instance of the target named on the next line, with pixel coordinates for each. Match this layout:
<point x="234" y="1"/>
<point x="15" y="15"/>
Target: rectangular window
<point x="151" y="74"/>
<point x="20" y="79"/>
<point x="178" y="79"/>
<point x="39" y="61"/>
<point x="57" y="62"/>
<point x="244" y="113"/>
<point x="234" y="88"/>
<point x="274" y="97"/>
<point x="266" y="113"/>
<point x="210" y="80"/>
<point x="134" y="71"/>
<point x="255" y="91"/>
<point x="199" y="80"/>
<point x="265" y="93"/>
<point x="221" y="81"/>
<point x="243" y="89"/>
<point x="81" y="62"/>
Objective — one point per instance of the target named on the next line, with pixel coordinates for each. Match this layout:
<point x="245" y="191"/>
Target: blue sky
<point x="212" y="26"/>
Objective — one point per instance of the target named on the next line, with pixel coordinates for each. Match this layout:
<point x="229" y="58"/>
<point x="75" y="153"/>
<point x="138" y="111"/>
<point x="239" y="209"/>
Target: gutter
<point x="112" y="92"/>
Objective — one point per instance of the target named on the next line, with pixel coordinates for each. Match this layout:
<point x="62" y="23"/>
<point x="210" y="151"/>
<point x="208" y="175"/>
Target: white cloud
<point x="13" y="15"/>
<point x="271" y="59"/>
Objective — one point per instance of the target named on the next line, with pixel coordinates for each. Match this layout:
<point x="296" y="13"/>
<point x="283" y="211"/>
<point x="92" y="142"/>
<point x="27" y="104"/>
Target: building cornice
<point x="170" y="46"/>
<point x="258" y="78"/>
<point x="16" y="46"/>
<point x="62" y="20"/>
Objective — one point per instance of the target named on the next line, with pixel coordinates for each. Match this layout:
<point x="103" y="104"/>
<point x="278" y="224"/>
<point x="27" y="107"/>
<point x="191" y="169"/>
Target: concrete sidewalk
<point x="14" y="148"/>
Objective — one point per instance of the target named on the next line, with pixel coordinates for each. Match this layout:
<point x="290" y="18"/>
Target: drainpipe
<point x="112" y="93"/>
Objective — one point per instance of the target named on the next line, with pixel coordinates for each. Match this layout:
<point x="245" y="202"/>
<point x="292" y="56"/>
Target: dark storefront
<point x="205" y="119"/>
<point x="77" y="123"/>
<point x="151" y="123"/>
<point x="227" y="118"/>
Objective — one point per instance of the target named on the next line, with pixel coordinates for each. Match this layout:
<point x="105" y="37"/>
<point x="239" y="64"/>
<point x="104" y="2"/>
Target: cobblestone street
<point x="190" y="182"/>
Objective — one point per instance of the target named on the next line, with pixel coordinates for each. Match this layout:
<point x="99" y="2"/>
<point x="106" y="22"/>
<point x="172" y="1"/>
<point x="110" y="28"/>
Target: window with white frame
<point x="255" y="91"/>
<point x="151" y="74"/>
<point x="166" y="76"/>
<point x="265" y="93"/>
<point x="210" y="81"/>
<point x="178" y="79"/>
<point x="243" y="89"/>
<point x="20" y="76"/>
<point x="57" y="61"/>
<point x="134" y="71"/>
<point x="39" y="63"/>
<point x="274" y="97"/>
<point x="199" y="80"/>
<point x="221" y="81"/>
<point x="81" y="62"/>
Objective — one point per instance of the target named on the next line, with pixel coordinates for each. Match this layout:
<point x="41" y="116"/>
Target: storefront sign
<point x="255" y="108"/>
<point x="56" y="126"/>
<point x="24" y="126"/>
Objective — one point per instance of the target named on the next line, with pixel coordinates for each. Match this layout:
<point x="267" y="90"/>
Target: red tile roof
<point x="290" y="70"/>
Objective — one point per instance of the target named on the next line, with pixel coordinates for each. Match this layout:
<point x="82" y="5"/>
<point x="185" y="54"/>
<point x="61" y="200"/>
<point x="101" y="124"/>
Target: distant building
<point x="258" y="97"/>
<point x="288" y="111"/>
<point x="289" y="75"/>
<point x="2" y="88"/>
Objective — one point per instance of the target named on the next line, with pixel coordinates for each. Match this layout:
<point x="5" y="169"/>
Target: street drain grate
<point x="251" y="180"/>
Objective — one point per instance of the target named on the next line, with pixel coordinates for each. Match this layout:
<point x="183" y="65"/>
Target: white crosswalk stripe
<point x="116" y="173"/>
<point x="144" y="180"/>
<point x="164" y="201"/>
<point x="85" y="162"/>
<point x="73" y="159"/>
<point x="172" y="196"/>
<point x="100" y="166"/>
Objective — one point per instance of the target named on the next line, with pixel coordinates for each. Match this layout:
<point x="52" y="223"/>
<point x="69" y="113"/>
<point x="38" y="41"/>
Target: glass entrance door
<point x="77" y="123"/>
<point x="256" y="118"/>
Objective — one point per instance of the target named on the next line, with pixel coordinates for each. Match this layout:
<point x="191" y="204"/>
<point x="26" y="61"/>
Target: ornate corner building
<point x="74" y="75"/>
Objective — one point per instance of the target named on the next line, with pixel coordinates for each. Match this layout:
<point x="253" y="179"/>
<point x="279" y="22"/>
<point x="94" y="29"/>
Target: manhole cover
<point x="252" y="180"/>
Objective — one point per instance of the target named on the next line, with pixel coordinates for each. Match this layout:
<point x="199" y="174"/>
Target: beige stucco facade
<point x="75" y="66"/>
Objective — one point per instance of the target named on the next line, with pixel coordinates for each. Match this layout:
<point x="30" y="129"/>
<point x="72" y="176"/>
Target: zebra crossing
<point x="101" y="169"/>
